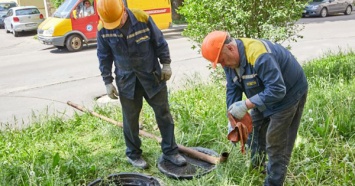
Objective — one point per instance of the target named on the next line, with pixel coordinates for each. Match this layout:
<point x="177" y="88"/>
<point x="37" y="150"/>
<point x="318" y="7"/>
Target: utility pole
<point x="46" y="8"/>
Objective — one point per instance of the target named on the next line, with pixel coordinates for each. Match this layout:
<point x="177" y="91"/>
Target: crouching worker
<point x="131" y="41"/>
<point x="276" y="90"/>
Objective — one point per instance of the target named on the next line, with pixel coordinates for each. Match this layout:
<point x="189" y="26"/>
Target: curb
<point x="175" y="28"/>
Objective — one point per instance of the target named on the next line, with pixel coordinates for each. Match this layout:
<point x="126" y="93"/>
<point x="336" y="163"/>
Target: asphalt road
<point x="334" y="17"/>
<point x="37" y="80"/>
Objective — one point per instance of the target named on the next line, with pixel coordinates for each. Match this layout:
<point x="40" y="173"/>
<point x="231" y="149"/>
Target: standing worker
<point x="276" y="90"/>
<point x="131" y="41"/>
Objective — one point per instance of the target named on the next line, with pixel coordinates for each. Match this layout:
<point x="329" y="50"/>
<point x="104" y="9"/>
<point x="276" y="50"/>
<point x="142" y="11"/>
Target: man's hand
<point x="238" y="109"/>
<point x="111" y="91"/>
<point x="166" y="72"/>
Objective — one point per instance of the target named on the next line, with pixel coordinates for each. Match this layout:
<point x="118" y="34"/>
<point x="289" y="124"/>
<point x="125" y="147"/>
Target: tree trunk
<point x="175" y="4"/>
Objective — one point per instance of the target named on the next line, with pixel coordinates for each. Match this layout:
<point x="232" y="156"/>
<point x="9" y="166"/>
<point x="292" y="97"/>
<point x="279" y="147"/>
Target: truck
<point x="66" y="28"/>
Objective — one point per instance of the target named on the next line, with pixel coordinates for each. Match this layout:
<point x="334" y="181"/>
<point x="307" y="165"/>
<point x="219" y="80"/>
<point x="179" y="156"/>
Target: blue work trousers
<point x="275" y="136"/>
<point x="131" y="110"/>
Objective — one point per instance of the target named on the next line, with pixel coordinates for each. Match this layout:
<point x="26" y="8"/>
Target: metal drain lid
<point x="194" y="167"/>
<point x="126" y="179"/>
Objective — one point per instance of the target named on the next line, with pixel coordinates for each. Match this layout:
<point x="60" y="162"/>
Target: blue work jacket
<point x="270" y="76"/>
<point x="136" y="56"/>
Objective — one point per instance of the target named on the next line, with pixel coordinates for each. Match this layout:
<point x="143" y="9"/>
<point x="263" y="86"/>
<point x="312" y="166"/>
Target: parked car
<point x="21" y="19"/>
<point x="323" y="8"/>
<point x="4" y="7"/>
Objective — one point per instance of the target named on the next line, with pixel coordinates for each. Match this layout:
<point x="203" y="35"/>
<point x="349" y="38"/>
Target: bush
<point x="269" y="19"/>
<point x="57" y="3"/>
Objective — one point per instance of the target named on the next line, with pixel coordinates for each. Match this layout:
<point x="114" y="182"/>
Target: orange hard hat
<point x="110" y="12"/>
<point x="212" y="46"/>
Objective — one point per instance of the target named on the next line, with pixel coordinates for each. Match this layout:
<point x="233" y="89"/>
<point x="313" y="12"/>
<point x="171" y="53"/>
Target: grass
<point x="76" y="151"/>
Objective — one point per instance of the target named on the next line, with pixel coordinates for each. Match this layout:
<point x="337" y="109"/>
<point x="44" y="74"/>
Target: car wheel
<point x="348" y="10"/>
<point x="15" y="33"/>
<point x="6" y="30"/>
<point x="324" y="12"/>
<point x="74" y="43"/>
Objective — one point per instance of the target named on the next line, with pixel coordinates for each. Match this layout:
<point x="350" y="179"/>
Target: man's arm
<point x="234" y="91"/>
<point x="159" y="42"/>
<point x="105" y="57"/>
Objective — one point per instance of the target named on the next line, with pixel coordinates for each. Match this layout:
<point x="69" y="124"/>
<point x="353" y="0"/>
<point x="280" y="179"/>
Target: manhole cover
<point x="194" y="167"/>
<point x="126" y="179"/>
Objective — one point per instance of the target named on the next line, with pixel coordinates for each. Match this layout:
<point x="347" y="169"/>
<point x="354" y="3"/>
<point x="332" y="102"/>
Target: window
<point x="28" y="11"/>
<point x="7" y="6"/>
<point x="9" y="13"/>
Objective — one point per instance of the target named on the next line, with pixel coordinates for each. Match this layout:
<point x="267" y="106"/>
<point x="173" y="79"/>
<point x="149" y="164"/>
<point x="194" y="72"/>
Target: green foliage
<point x="269" y="19"/>
<point x="57" y="3"/>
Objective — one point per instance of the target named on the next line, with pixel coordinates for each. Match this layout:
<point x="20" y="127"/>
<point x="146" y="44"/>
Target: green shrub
<point x="57" y="3"/>
<point x="269" y="19"/>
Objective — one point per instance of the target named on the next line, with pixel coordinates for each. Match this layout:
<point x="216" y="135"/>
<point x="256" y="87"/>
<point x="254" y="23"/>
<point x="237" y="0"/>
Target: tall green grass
<point x="332" y="101"/>
<point x="326" y="155"/>
<point x="76" y="151"/>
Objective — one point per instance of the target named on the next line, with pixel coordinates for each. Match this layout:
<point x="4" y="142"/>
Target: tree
<point x="270" y="19"/>
<point x="57" y="3"/>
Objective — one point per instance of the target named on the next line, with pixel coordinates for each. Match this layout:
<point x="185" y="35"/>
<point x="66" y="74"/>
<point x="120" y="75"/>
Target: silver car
<point x="21" y="19"/>
<point x="323" y="8"/>
<point x="4" y="7"/>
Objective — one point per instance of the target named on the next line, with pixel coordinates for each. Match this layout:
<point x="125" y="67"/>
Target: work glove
<point x="238" y="109"/>
<point x="240" y="129"/>
<point x="230" y="129"/>
<point x="111" y="91"/>
<point x="166" y="72"/>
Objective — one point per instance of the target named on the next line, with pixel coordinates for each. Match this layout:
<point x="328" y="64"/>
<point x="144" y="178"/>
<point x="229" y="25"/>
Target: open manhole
<point x="193" y="168"/>
<point x="126" y="179"/>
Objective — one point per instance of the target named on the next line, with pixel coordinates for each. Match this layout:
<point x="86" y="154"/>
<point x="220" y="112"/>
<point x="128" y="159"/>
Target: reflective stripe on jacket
<point x="136" y="56"/>
<point x="270" y="76"/>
